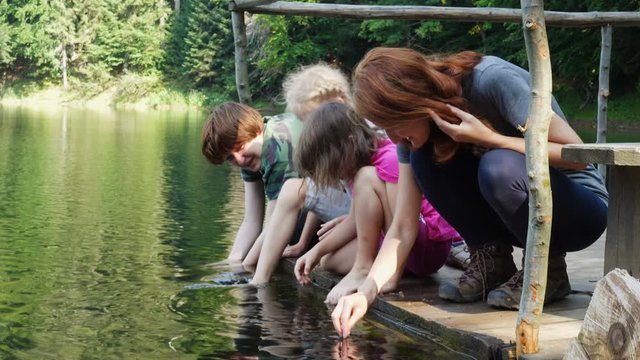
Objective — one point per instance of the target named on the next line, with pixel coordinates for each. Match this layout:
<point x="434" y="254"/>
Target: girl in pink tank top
<point x="337" y="147"/>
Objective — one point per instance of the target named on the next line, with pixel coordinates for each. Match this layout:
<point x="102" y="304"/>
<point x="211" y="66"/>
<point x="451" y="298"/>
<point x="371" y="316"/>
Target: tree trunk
<point x="176" y="6"/>
<point x="537" y="158"/>
<point x="65" y="82"/>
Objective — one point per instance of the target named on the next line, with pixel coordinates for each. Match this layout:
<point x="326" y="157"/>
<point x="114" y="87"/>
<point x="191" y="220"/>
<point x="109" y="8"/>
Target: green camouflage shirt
<point x="279" y="139"/>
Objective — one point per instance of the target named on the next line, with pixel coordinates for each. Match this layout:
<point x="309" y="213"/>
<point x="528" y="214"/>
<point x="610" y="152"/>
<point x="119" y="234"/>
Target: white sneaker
<point x="459" y="256"/>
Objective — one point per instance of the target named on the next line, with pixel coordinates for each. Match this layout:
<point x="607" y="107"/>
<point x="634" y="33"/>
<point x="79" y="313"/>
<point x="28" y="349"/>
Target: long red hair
<point x="395" y="85"/>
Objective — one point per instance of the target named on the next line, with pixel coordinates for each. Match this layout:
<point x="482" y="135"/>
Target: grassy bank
<point x="127" y="92"/>
<point x="622" y="108"/>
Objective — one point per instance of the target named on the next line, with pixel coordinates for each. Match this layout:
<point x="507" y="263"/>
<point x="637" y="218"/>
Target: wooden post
<point x="240" y="42"/>
<point x="537" y="158"/>
<point x="603" y="92"/>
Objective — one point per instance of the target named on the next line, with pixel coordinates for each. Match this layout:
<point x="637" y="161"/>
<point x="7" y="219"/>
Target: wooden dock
<point x="478" y="329"/>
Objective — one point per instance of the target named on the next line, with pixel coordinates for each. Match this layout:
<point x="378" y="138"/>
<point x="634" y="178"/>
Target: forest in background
<point x="158" y="51"/>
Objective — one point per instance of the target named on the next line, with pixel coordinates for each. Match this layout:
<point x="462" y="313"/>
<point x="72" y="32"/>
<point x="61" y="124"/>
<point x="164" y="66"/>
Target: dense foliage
<point x="189" y="43"/>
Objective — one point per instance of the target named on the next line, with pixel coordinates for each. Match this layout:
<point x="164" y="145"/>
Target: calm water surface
<point x="107" y="223"/>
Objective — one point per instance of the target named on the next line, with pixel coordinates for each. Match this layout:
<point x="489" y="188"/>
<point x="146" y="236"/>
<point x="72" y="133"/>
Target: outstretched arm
<point x="253" y="255"/>
<point x="392" y="255"/>
<point x="251" y="225"/>
<point x="279" y="228"/>
<point x="331" y="241"/>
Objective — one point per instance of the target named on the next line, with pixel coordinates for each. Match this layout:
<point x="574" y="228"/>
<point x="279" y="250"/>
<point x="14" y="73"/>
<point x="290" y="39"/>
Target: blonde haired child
<point x="304" y="91"/>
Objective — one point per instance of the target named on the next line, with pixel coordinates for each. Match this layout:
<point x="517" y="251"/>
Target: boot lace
<point x="515" y="282"/>
<point x="481" y="262"/>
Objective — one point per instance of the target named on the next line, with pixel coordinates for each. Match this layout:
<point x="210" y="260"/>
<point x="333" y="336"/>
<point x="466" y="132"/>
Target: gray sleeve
<point x="510" y="92"/>
<point x="403" y="153"/>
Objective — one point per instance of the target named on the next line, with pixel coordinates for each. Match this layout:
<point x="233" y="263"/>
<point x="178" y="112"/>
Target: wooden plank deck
<point x="478" y="329"/>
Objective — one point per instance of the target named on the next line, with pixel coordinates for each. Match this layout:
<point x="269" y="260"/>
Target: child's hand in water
<point x="349" y="310"/>
<point x="304" y="265"/>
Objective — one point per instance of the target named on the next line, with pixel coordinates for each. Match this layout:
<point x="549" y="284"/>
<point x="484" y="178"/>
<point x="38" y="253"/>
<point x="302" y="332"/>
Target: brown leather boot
<point x="508" y="295"/>
<point x="491" y="264"/>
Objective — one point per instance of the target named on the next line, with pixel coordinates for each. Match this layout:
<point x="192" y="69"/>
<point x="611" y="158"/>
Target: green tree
<point x="208" y="45"/>
<point x="130" y="36"/>
<point x="6" y="46"/>
<point x="33" y="48"/>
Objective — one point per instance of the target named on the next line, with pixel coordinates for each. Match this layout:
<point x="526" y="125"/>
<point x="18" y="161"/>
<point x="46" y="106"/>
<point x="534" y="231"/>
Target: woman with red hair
<point x="459" y="121"/>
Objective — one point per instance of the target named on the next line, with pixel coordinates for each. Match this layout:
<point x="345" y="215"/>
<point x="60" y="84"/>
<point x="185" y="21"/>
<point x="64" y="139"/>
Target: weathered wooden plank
<point x="611" y="325"/>
<point x="622" y="248"/>
<point x="461" y="14"/>
<point x="576" y="351"/>
<point x="625" y="154"/>
<point x="250" y="3"/>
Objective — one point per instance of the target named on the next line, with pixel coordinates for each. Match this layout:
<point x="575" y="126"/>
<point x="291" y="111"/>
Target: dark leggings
<point x="486" y="199"/>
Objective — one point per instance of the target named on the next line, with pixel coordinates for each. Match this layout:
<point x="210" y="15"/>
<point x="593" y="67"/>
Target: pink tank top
<point x="385" y="160"/>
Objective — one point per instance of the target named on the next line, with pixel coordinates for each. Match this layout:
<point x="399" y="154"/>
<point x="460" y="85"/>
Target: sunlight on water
<point x="107" y="223"/>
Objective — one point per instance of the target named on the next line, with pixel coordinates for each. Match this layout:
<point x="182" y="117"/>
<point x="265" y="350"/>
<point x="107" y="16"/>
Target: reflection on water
<point x="107" y="222"/>
<point x="283" y="321"/>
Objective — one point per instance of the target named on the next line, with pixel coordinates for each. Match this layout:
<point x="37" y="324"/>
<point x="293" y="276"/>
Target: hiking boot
<point x="459" y="256"/>
<point x="508" y="295"/>
<point x="491" y="264"/>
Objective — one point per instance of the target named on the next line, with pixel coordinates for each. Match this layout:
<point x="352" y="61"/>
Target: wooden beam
<point x="243" y="4"/>
<point x="603" y="92"/>
<point x="460" y="14"/>
<point x="240" y="43"/>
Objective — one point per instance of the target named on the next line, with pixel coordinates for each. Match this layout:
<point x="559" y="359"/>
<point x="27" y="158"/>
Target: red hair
<point x="395" y="85"/>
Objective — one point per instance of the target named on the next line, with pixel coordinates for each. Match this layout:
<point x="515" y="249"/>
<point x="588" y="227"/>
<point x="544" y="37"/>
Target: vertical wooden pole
<point x="603" y="92"/>
<point x="537" y="159"/>
<point x="240" y="42"/>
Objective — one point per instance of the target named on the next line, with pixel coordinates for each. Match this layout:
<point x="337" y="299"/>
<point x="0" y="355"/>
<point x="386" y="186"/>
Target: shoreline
<point x="107" y="99"/>
<point x="104" y="101"/>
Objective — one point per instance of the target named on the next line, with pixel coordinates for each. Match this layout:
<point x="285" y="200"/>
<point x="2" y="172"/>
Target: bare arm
<point x="251" y="225"/>
<point x="337" y="237"/>
<point x="471" y="130"/>
<point x="281" y="223"/>
<point x="392" y="255"/>
<point x="254" y="253"/>
<point x="311" y="225"/>
<point x="332" y="240"/>
<point x="399" y="239"/>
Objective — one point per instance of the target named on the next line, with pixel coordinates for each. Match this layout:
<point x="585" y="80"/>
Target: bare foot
<point x="348" y="285"/>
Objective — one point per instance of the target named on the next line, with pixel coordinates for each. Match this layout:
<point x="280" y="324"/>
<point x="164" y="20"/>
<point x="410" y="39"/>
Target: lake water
<point x="108" y="221"/>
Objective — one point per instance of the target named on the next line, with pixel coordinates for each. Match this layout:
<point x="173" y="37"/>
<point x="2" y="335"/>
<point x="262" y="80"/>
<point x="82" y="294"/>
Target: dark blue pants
<point x="486" y="199"/>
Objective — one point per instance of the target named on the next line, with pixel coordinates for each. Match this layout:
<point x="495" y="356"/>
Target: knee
<point x="367" y="181"/>
<point x="502" y="175"/>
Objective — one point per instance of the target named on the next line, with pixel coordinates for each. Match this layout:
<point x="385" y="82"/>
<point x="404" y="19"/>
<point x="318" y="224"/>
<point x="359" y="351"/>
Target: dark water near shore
<point x="107" y="223"/>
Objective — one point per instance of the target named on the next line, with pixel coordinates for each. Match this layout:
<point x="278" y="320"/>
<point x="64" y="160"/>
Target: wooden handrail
<point x="460" y="14"/>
